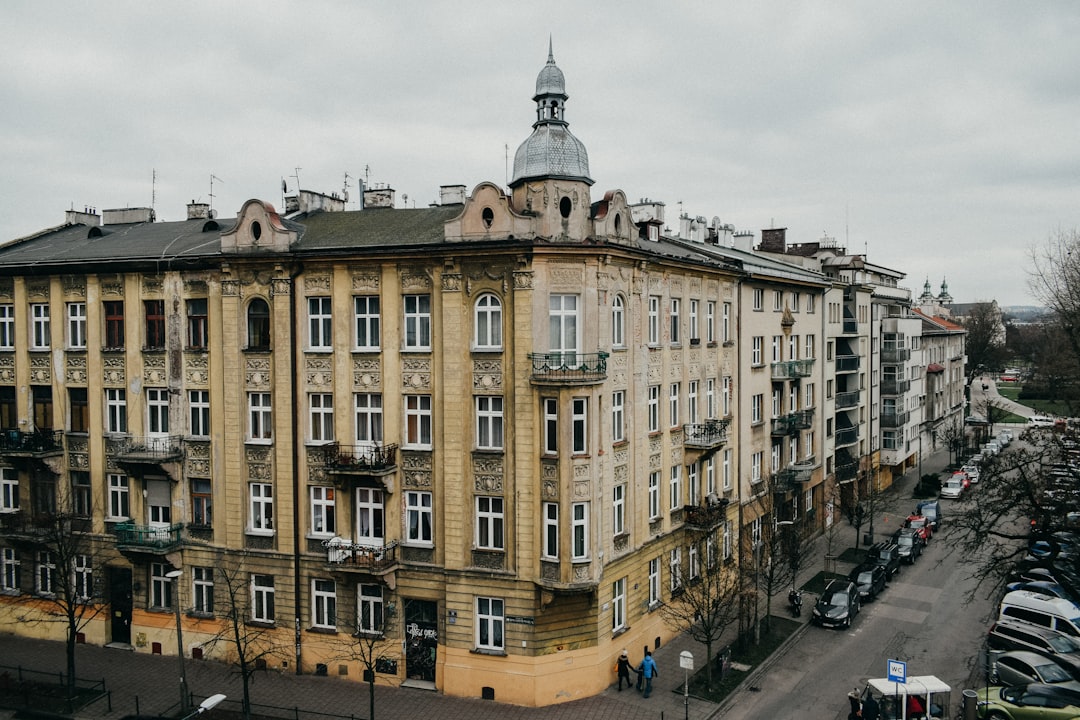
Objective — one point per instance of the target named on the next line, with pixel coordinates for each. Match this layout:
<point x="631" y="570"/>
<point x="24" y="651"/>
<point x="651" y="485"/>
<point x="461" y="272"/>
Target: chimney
<point x="774" y="240"/>
<point x="647" y="210"/>
<point x="379" y="198"/>
<point x="198" y="211"/>
<point x="88" y="217"/>
<point x="124" y="216"/>
<point x="451" y="194"/>
<point x="743" y="240"/>
<point x="719" y="233"/>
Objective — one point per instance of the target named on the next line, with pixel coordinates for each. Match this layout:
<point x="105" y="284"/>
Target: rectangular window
<point x="157" y="411"/>
<point x="202" y="502"/>
<point x="579" y="531"/>
<point x="262" y="507"/>
<point x="7" y="326"/>
<point x="79" y="422"/>
<point x="618" y="604"/>
<point x="777" y="348"/>
<point x="654" y="582"/>
<point x="675" y="568"/>
<point x="673" y="404"/>
<point x="260" y="426"/>
<point x="618" y="323"/>
<point x="418" y="518"/>
<point x="262" y="598"/>
<point x="725" y="323"/>
<point x="809" y="349"/>
<point x="551" y="426"/>
<point x="757" y="346"/>
<point x="369" y="516"/>
<point x="322" y="510"/>
<point x="369" y="610"/>
<point x="160" y="586"/>
<point x="9" y="490"/>
<point x="369" y="418"/>
<point x="114" y="324"/>
<point x="758" y="299"/>
<point x="675" y="488"/>
<point x="563" y="326"/>
<point x="755" y="467"/>
<point x="199" y="413"/>
<point x="618" y="416"/>
<point x="489" y="623"/>
<point x="551" y="530"/>
<point x="695" y="563"/>
<point x="795" y="298"/>
<point x="810" y="303"/>
<point x="793" y="347"/>
<point x="202" y="589"/>
<point x="154" y="316"/>
<point x="710" y="398"/>
<point x="695" y="338"/>
<point x="82" y="576"/>
<point x="40" y="332"/>
<point x="321" y="407"/>
<point x="693" y="484"/>
<point x="417" y="322"/>
<point x="776" y="402"/>
<point x="725" y="472"/>
<point x="778" y="300"/>
<point x="320" y="323"/>
<point x="115" y="410"/>
<point x="324" y="604"/>
<point x="710" y="321"/>
<point x="489" y="422"/>
<point x="366" y="318"/>
<point x="775" y="457"/>
<point x="676" y="337"/>
<point x="119" y="498"/>
<point x="756" y="403"/>
<point x="80" y="494"/>
<point x="808" y="395"/>
<point x="76" y="326"/>
<point x="654" y="408"/>
<point x="618" y="509"/>
<point x="727" y="540"/>
<point x="418" y="422"/>
<point x="579" y="416"/>
<point x="691" y="402"/>
<point x="710" y="475"/>
<point x="489" y="523"/>
<point x="654" y="494"/>
<point x="11" y="577"/>
<point x="725" y="394"/>
<point x="654" y="320"/>
<point x="198" y="329"/>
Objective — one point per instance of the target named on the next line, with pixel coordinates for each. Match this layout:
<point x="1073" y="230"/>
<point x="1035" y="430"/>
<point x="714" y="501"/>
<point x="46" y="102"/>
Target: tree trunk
<point x="371" y="696"/>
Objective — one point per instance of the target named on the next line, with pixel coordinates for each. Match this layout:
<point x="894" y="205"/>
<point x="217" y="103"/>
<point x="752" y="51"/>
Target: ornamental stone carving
<point x="488" y="483"/>
<point x="154" y="370"/>
<point x="654" y="461"/>
<point x="259" y="472"/>
<point x="257" y="372"/>
<point x="316" y="464"/>
<point x="197" y="450"/>
<point x="7" y="288"/>
<point x="621" y="456"/>
<point x="413" y="279"/>
<point x="280" y="287"/>
<point x="416" y="373"/>
<point x="365" y="282"/>
<point x="74" y="285"/>
<point x="113" y="370"/>
<point x="111" y="285"/>
<point x="581" y="490"/>
<point x="676" y="452"/>
<point x="582" y="470"/>
<point x="562" y="277"/>
<point x="76" y="369"/>
<point x="230" y="288"/>
<point x="451" y="282"/>
<point x="194" y="287"/>
<point x="654" y="445"/>
<point x="40" y="369"/>
<point x="198" y="468"/>
<point x="196" y="370"/>
<point x="366" y="373"/>
<point x="319" y="371"/>
<point x="152" y="284"/>
<point x="38" y="289"/>
<point x="582" y="572"/>
<point x="523" y="280"/>
<point x="487" y="375"/>
<point x="7" y="368"/>
<point x="257" y="454"/>
<point x="416" y="469"/>
<point x="317" y="283"/>
<point x="620" y="473"/>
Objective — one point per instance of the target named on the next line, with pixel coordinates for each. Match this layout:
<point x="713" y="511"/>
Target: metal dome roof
<point x="550" y="81"/>
<point x="551" y="151"/>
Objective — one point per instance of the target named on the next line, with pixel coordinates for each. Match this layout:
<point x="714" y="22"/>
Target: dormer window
<point x="565" y="206"/>
<point x="654" y="233"/>
<point x="256" y="230"/>
<point x="488" y="216"/>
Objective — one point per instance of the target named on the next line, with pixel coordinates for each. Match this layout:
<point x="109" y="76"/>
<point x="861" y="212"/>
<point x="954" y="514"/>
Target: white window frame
<point x="490" y="523"/>
<point x="755" y="467"/>
<point x="710" y="321"/>
<point x="261" y="508"/>
<point x="758" y="301"/>
<point x="725" y="475"/>
<point x="366" y="323"/>
<point x="579" y="531"/>
<point x="119" y="497"/>
<point x="777" y="348"/>
<point x="808" y="395"/>
<point x="323" y="514"/>
<point x="7" y="326"/>
<point x="757" y="346"/>
<point x="809" y="342"/>
<point x="157" y="412"/>
<point x="161" y="587"/>
<point x="618" y="416"/>
<point x="725" y="323"/>
<point x="654" y="494"/>
<point x="727" y="544"/>
<point x="710" y="398"/>
<point x="416" y="334"/>
<point x="199" y="413"/>
<point x="654" y="320"/>
<point x="579" y="424"/>
<point x="82" y="578"/>
<point x="675" y="569"/>
<point x="369" y="504"/>
<point x="618" y="509"/>
<point x="550" y="544"/>
<point x="368" y="417"/>
<point x="693" y="484"/>
<point x="675" y="488"/>
<point x="654" y="582"/>
<point x="710" y="475"/>
<point x="725" y="405"/>
<point x="321" y="413"/>
<point x="320" y="324"/>
<point x="323" y="604"/>
<point x="202" y="589"/>
<point x="654" y="408"/>
<point x="694" y="561"/>
<point x="419" y="518"/>
<point x="490" y="624"/>
<point x="369" y="608"/>
<point x="674" y="390"/>
<point x="618" y="322"/>
<point x="675" y="324"/>
<point x="489" y="422"/>
<point x="76" y="325"/>
<point x="9" y="490"/>
<point x="564" y="330"/>
<point x="262" y="598"/>
<point x="756" y="402"/>
<point x="10" y="571"/>
<point x="40" y="332"/>
<point x="115" y="410"/>
<point x="810" y="303"/>
<point x="551" y="426"/>
<point x="691" y="401"/>
<point x="487" y="323"/>
<point x="618" y="605"/>
<point x="778" y="300"/>
<point x="418" y="422"/>
<point x="695" y="329"/>
<point x="260" y="417"/>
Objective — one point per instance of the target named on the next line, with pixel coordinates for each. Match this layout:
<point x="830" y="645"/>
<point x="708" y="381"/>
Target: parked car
<point x="1044" y="610"/>
<point x="1004" y="438"/>
<point x="838" y="604"/>
<point x="1020" y="667"/>
<point x="922" y="525"/>
<point x="931" y="510"/>
<point x="1010" y="635"/>
<point x="1040" y="421"/>
<point x="972" y="471"/>
<point x="909" y="545"/>
<point x="869" y="578"/>
<point x="1043" y="587"/>
<point x="1034" y="701"/>
<point x="953" y="488"/>
<point x="887" y="555"/>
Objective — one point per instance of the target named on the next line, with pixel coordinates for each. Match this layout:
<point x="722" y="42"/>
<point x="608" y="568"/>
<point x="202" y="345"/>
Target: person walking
<point x="624" y="667"/>
<point x="648" y="671"/>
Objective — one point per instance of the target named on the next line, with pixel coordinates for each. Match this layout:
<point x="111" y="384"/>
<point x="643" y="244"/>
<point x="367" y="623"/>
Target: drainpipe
<point x="296" y="443"/>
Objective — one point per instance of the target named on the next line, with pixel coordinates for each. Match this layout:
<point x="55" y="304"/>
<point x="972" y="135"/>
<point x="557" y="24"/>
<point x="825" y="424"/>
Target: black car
<point x="869" y="578"/>
<point x="1064" y="649"/>
<point x="887" y="555"/>
<point x="908" y="543"/>
<point x="838" y="605"/>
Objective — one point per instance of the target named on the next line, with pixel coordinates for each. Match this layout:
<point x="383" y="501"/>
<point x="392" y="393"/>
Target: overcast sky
<point x="940" y="138"/>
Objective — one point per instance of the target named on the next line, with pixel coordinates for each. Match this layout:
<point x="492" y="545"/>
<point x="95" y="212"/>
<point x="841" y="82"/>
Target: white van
<point x="1038" y="609"/>
<point x="1040" y="421"/>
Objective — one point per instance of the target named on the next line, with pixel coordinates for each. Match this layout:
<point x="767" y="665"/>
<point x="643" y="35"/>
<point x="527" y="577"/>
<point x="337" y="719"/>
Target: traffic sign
<point x="897" y="671"/>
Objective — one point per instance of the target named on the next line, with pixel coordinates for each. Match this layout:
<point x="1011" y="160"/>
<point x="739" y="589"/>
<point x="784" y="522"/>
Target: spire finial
<point x="551" y="54"/>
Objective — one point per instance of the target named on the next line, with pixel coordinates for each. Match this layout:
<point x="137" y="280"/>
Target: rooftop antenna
<point x="297" y="176"/>
<point x="153" y="190"/>
<point x="506" y="163"/>
<point x="213" y="177"/>
<point x="345" y="189"/>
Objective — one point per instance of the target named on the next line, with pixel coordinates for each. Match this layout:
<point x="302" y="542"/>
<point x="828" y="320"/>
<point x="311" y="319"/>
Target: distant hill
<point x="1024" y="313"/>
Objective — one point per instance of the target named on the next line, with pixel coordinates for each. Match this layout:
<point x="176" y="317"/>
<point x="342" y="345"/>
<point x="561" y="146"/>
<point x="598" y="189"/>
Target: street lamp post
<point x="174" y="575"/>
<point x="686" y="659"/>
<point x="208" y="704"/>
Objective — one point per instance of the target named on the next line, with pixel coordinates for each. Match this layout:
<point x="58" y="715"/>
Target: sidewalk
<point x="149" y="684"/>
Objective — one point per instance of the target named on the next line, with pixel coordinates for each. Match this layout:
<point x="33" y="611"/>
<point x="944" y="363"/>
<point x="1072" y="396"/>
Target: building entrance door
<point x="421" y="639"/>
<point x="120" y="605"/>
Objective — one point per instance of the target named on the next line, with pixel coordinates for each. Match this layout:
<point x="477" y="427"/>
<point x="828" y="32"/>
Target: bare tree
<point x="709" y="602"/>
<point x="862" y="511"/>
<point x="985" y="338"/>
<point x="1054" y="280"/>
<point x="952" y="435"/>
<point x="370" y="643"/>
<point x="992" y="410"/>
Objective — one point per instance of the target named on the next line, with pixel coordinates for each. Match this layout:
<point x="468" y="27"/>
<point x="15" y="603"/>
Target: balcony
<point x="846" y="437"/>
<point x="35" y="444"/>
<point x="847" y="400"/>
<point x="561" y="368"/>
<point x="847" y="363"/>
<point x="150" y="450"/>
<point x="367" y="460"/>
<point x="894" y="419"/>
<point x="706" y="517"/>
<point x="848" y="471"/>
<point x="792" y="369"/>
<point x="794" y="475"/>
<point x="792" y="423"/>
<point x="151" y="539"/>
<point x="708" y="435"/>
<point x="343" y="555"/>
<point x="895" y="387"/>
<point x="851" y="327"/>
<point x="895" y="355"/>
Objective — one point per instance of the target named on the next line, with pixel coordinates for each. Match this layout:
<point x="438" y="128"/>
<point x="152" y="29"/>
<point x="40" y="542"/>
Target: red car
<point x="964" y="477"/>
<point x="921" y="525"/>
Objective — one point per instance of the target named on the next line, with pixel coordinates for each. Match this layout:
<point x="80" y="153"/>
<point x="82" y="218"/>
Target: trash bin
<point x="867" y="539"/>
<point x="969" y="704"/>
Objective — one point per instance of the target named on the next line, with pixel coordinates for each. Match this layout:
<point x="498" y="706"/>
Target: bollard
<point x="969" y="705"/>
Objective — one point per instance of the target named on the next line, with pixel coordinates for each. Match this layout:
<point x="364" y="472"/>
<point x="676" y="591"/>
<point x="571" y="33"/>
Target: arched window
<point x="258" y="325"/>
<point x="488" y="323"/>
<point x="618" y="322"/>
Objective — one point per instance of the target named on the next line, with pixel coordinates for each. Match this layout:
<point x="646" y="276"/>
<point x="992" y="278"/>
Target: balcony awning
<point x="935" y="368"/>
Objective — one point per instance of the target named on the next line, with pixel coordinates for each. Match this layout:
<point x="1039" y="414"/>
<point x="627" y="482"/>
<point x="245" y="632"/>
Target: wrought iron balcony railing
<point x="150" y="448"/>
<point x="360" y="459"/>
<point x="793" y="422"/>
<point x="347" y="555"/>
<point x="152" y="538"/>
<point x="706" y="516"/>
<point x="568" y="367"/>
<point x="706" y="435"/>
<point x="792" y="369"/>
<point x="31" y="444"/>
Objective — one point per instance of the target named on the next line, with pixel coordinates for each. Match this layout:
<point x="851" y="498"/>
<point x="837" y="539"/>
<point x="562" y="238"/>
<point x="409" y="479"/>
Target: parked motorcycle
<point x="795" y="601"/>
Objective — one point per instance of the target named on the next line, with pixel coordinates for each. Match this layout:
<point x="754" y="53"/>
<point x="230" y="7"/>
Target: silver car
<point x="1020" y="667"/>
